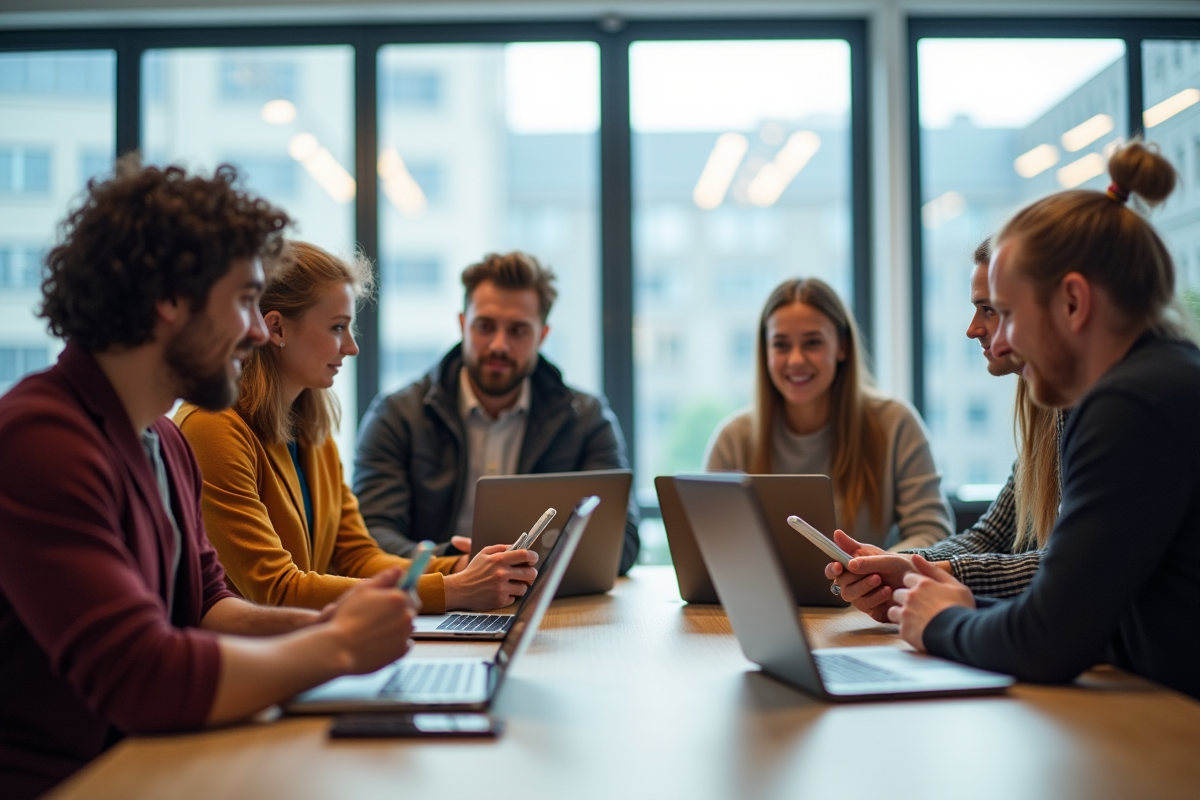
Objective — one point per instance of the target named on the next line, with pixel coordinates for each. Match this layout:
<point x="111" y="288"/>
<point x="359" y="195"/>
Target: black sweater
<point x="1120" y="580"/>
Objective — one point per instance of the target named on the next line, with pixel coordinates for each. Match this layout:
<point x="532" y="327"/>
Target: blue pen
<point x="420" y="560"/>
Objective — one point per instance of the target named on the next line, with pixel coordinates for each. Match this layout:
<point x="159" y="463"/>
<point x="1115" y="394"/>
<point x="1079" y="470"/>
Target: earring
<point x="281" y="344"/>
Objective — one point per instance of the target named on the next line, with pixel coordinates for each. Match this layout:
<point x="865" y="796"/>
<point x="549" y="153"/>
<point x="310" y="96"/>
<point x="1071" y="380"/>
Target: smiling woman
<point x="276" y="504"/>
<point x="815" y="412"/>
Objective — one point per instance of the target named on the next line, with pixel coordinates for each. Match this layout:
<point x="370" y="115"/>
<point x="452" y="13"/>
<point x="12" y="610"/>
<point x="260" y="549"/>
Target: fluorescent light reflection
<point x="719" y="170"/>
<point x="1087" y="132"/>
<point x="1161" y="112"/>
<point x="1036" y="161"/>
<point x="942" y="209"/>
<point x="323" y="167"/>
<point x="774" y="177"/>
<point x="1082" y="171"/>
<point x="400" y="186"/>
<point x="278" y="112"/>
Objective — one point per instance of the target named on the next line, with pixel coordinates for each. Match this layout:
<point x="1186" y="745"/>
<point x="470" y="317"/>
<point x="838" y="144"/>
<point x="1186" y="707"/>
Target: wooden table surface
<point x="635" y="694"/>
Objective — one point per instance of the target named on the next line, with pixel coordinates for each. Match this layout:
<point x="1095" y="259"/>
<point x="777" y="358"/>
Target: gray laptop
<point x="507" y="505"/>
<point x="762" y="610"/>
<point x="451" y="684"/>
<point x="806" y="496"/>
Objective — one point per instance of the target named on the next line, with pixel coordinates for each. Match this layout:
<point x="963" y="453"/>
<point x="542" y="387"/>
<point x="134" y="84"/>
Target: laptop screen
<point x="543" y="589"/>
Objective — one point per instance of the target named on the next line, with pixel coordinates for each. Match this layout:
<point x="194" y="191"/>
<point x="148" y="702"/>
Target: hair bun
<point x="1140" y="169"/>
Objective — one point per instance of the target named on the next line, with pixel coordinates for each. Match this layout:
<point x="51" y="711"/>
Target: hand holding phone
<point x="526" y="540"/>
<point x="420" y="560"/>
<point x="820" y="540"/>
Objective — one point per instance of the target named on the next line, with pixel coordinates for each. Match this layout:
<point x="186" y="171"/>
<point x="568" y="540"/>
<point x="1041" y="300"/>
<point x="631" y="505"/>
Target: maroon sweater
<point x="87" y="653"/>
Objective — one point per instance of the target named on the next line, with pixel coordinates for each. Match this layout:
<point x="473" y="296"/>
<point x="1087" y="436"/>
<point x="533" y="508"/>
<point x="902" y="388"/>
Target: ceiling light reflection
<point x="1087" y="132"/>
<point x="278" y="112"/>
<point x="773" y="178"/>
<point x="1036" y="161"/>
<point x="942" y="209"/>
<point x="1161" y="112"/>
<point x="400" y="186"/>
<point x="323" y="167"/>
<point x="719" y="170"/>
<point x="1082" y="171"/>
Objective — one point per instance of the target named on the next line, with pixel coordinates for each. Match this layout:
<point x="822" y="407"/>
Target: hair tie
<point x="1118" y="194"/>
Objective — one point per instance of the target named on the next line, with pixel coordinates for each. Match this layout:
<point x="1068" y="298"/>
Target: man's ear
<point x="174" y="312"/>
<point x="462" y="325"/>
<point x="545" y="332"/>
<point x="1078" y="300"/>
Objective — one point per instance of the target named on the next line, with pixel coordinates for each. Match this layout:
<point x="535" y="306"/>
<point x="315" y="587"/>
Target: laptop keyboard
<point x="416" y="678"/>
<point x="839" y="668"/>
<point x="475" y="623"/>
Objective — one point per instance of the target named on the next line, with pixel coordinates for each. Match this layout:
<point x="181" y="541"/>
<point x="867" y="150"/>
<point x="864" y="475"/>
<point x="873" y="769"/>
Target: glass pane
<point x="284" y="116"/>
<point x="741" y="159"/>
<point x="487" y="148"/>
<point x="57" y="130"/>
<point x="1171" y="92"/>
<point x="1003" y="121"/>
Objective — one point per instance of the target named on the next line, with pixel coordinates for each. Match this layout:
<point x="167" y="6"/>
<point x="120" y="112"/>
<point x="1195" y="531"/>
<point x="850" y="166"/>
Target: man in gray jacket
<point x="492" y="406"/>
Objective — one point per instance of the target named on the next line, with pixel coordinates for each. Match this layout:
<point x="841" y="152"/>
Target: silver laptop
<point x="750" y="579"/>
<point x="807" y="496"/>
<point x="506" y="505"/>
<point x="451" y="684"/>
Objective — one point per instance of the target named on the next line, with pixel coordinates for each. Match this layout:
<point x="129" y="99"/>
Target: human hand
<point x="372" y="623"/>
<point x="495" y="577"/>
<point x="928" y="592"/>
<point x="871" y="577"/>
<point x="461" y="543"/>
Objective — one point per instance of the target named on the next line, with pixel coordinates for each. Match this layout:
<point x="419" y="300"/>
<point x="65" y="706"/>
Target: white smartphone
<point x="526" y="540"/>
<point x="820" y="540"/>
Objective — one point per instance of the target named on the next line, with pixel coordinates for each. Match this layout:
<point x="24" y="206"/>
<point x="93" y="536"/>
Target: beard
<point x="1049" y="380"/>
<point x="203" y="376"/>
<point x="496" y="385"/>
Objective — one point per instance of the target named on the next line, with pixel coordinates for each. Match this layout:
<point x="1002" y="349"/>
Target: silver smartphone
<point x="820" y="540"/>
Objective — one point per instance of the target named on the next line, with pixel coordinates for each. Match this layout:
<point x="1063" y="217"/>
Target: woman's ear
<point x="274" y="321"/>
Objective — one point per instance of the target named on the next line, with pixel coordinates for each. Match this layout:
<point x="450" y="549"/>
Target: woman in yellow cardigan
<point x="276" y="505"/>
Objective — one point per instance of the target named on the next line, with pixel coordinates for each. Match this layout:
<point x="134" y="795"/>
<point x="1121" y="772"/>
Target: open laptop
<point x="507" y="505"/>
<point x="806" y="496"/>
<point x="750" y="580"/>
<point x="451" y="684"/>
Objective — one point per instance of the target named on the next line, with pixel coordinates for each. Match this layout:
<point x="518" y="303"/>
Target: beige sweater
<point x="915" y="511"/>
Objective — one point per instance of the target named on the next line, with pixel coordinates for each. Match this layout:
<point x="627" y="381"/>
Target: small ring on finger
<point x="835" y="589"/>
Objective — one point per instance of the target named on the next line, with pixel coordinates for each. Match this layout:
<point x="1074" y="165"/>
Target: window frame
<point x="612" y="35"/>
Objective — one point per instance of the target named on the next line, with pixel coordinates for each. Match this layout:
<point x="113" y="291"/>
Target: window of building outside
<point x="57" y="130"/>
<point x="741" y="179"/>
<point x="1003" y="122"/>
<point x="487" y="148"/>
<point x="1171" y="94"/>
<point x="284" y="117"/>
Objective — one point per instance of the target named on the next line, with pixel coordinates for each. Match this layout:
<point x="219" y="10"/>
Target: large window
<point x="284" y="117"/>
<point x="741" y="153"/>
<point x="1002" y="121"/>
<point x="486" y="148"/>
<point x="1171" y="96"/>
<point x="57" y="112"/>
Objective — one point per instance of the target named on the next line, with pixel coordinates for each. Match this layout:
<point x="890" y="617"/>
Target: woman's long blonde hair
<point x="297" y="282"/>
<point x="858" y="441"/>
<point x="1038" y="481"/>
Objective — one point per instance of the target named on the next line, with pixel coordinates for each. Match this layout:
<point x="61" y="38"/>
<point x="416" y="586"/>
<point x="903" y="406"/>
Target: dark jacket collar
<point x="551" y="403"/>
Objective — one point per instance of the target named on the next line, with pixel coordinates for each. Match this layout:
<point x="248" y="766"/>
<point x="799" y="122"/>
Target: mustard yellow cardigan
<point x="254" y="515"/>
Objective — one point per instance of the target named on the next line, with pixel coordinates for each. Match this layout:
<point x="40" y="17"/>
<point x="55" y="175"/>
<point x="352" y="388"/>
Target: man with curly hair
<point x="114" y="616"/>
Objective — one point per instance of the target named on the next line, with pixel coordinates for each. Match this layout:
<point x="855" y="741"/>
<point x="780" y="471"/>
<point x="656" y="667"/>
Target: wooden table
<point x="637" y="695"/>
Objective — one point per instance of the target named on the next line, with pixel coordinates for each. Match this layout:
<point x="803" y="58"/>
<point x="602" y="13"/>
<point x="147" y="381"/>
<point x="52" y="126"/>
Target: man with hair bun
<point x="492" y="406"/>
<point x="1084" y="288"/>
<point x="114" y="616"/>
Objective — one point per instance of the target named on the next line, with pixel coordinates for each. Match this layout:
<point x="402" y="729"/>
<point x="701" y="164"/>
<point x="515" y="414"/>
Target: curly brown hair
<point x="149" y="234"/>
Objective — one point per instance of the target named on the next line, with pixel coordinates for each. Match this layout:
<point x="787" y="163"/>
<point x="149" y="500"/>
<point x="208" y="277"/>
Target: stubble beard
<point x="491" y="389"/>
